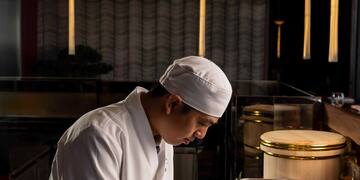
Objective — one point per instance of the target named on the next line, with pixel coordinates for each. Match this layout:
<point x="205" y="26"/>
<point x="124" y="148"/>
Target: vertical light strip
<point x="333" y="38"/>
<point x="71" y="27"/>
<point x="307" y="29"/>
<point x="278" y="43"/>
<point x="202" y="28"/>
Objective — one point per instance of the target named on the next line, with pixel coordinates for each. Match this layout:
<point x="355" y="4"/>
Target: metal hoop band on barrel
<point x="293" y="147"/>
<point x="300" y="157"/>
<point x="259" y="113"/>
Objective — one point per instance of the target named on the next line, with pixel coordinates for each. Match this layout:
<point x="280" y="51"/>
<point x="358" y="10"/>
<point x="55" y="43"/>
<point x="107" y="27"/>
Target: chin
<point x="174" y="143"/>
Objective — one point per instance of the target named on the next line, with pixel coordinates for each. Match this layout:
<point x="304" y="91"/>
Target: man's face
<point x="182" y="127"/>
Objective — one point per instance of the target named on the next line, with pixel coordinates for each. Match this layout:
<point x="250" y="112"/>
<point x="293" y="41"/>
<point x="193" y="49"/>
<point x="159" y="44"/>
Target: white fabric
<point x="200" y="83"/>
<point x="112" y="143"/>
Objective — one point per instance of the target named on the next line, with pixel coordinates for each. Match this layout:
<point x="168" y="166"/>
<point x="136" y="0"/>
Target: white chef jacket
<point x="112" y="143"/>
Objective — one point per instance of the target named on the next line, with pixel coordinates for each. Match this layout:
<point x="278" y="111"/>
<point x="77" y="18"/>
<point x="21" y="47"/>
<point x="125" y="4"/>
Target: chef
<point x="133" y="139"/>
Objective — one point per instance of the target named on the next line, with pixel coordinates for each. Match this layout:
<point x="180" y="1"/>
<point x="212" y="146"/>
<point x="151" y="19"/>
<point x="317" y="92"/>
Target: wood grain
<point x="346" y="123"/>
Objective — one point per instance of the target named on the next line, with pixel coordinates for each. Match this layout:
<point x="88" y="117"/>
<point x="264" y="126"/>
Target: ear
<point x="171" y="102"/>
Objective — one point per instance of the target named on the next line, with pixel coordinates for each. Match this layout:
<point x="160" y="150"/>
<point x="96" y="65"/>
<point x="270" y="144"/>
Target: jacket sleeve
<point x="93" y="155"/>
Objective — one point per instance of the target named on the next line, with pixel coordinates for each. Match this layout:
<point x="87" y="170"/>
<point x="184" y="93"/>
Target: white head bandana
<point x="200" y="83"/>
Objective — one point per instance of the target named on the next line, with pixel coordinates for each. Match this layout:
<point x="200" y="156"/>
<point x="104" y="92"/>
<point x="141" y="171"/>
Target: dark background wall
<point x="241" y="38"/>
<point x="9" y="37"/>
<point x="315" y="75"/>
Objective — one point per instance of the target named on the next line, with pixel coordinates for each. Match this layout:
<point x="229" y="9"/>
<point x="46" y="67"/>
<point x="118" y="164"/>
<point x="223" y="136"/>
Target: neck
<point x="157" y="139"/>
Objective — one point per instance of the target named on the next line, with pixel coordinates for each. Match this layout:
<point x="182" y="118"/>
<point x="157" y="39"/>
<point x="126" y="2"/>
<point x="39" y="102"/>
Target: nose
<point x="200" y="133"/>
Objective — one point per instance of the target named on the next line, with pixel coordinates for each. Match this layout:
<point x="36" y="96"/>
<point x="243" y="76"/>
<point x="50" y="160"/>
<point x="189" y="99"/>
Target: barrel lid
<point x="267" y="110"/>
<point x="302" y="144"/>
<point x="302" y="140"/>
<point x="258" y="113"/>
<point x="264" y="113"/>
<point x="262" y="108"/>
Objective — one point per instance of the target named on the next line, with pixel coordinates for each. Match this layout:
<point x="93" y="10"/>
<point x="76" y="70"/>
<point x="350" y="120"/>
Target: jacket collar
<point x="142" y="125"/>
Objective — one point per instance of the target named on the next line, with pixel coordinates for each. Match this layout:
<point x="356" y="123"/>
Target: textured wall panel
<point x="140" y="38"/>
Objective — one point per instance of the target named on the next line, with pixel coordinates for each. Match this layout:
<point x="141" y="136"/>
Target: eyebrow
<point x="209" y="121"/>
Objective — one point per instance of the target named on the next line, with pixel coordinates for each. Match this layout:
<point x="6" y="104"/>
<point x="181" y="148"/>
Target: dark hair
<point x="186" y="108"/>
<point x="158" y="90"/>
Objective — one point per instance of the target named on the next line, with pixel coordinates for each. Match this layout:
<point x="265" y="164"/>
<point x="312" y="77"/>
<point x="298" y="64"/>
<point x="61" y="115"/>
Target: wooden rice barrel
<point x="302" y="154"/>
